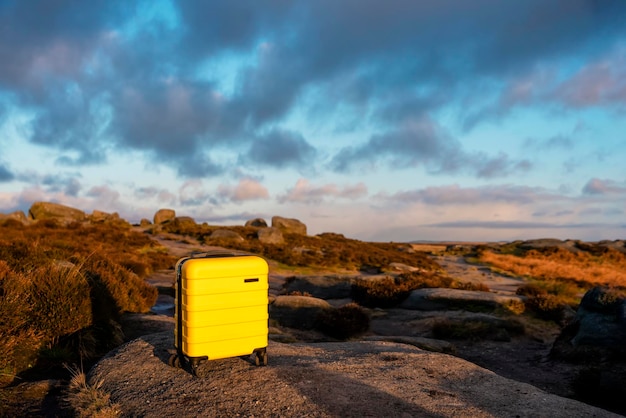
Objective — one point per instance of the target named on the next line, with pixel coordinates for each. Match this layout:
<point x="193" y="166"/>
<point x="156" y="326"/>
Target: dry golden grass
<point x="87" y="400"/>
<point x="584" y="268"/>
<point x="62" y="289"/>
<point x="429" y="248"/>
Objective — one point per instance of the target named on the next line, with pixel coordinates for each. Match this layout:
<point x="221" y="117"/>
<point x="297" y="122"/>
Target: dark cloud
<point x="422" y="143"/>
<point x="5" y="173"/>
<point x="280" y="149"/>
<point x="103" y="75"/>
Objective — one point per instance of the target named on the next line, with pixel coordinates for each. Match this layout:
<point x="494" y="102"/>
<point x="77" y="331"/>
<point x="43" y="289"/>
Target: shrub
<point x="343" y="323"/>
<point x="58" y="296"/>
<point x="87" y="400"/>
<point x="548" y="299"/>
<point x="546" y="306"/>
<point x="477" y="329"/>
<point x="391" y="291"/>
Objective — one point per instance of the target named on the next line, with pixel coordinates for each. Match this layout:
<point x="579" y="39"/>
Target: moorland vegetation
<point x="64" y="286"/>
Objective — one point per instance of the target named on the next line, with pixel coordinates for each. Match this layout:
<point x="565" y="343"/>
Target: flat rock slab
<point x="348" y="379"/>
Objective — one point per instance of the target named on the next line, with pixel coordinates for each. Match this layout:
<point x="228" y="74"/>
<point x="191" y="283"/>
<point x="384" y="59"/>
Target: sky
<point x="393" y="120"/>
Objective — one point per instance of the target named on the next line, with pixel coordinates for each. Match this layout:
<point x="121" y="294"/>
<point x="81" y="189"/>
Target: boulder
<point x="323" y="287"/>
<point x="49" y="210"/>
<point x="270" y="235"/>
<point x="599" y="326"/>
<point x="442" y="299"/>
<point x="183" y="221"/>
<point x="226" y="234"/>
<point x="257" y="222"/>
<point x="290" y="226"/>
<point x="18" y="215"/>
<point x="297" y="311"/>
<point x="98" y="216"/>
<point x="145" y="222"/>
<point x="164" y="215"/>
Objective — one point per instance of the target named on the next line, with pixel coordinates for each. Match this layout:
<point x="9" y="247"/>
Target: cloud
<point x="105" y="197"/>
<point x="305" y="192"/>
<point x="553" y="142"/>
<point x="455" y="195"/>
<point x="597" y="186"/>
<point x="161" y="195"/>
<point x="517" y="225"/>
<point x="423" y="143"/>
<point x="193" y="193"/>
<point x="106" y="77"/>
<point x="247" y="189"/>
<point x="5" y="174"/>
<point x="280" y="149"/>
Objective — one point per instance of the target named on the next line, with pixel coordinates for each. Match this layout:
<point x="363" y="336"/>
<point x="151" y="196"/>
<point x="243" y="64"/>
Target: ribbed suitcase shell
<point x="221" y="306"/>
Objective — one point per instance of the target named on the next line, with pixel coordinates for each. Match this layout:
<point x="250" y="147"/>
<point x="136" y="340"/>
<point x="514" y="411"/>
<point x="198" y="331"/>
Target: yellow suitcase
<point x="221" y="309"/>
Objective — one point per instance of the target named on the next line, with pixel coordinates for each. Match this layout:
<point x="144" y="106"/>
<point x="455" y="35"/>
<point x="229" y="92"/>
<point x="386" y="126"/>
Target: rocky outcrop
<point x="145" y="222"/>
<point x="599" y="326"/>
<point x="98" y="216"/>
<point x="16" y="216"/>
<point x="226" y="234"/>
<point x="270" y="235"/>
<point x="289" y="226"/>
<point x="323" y="287"/>
<point x="347" y="379"/>
<point x="164" y="215"/>
<point x="299" y="312"/>
<point x="257" y="222"/>
<point x="48" y="210"/>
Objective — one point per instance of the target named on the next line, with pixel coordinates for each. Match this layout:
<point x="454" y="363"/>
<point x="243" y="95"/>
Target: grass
<point x="343" y="323"/>
<point x="63" y="288"/>
<point x="391" y="291"/>
<point x="323" y="251"/>
<point x="89" y="400"/>
<point x="586" y="269"/>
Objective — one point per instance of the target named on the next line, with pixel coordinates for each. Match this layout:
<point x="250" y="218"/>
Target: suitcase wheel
<point x="261" y="358"/>
<point x="196" y="368"/>
<point x="174" y="361"/>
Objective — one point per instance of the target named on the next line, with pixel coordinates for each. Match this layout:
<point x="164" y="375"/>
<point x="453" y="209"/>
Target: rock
<point x="403" y="268"/>
<point x="297" y="311"/>
<point x="183" y="221"/>
<point x="98" y="216"/>
<point x="257" y="222"/>
<point x="17" y="216"/>
<point x="48" y="210"/>
<point x="164" y="215"/>
<point x="323" y="287"/>
<point x="619" y="245"/>
<point x="428" y="344"/>
<point x="226" y="234"/>
<point x="345" y="379"/>
<point x="599" y="326"/>
<point x="145" y="222"/>
<point x="290" y="226"/>
<point x="270" y="235"/>
<point x="439" y="299"/>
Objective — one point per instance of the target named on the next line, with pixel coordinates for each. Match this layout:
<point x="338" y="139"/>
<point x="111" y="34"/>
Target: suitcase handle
<point x="211" y="254"/>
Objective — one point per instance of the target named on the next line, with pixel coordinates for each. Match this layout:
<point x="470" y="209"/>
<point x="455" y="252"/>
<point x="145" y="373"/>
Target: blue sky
<point x="389" y="121"/>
